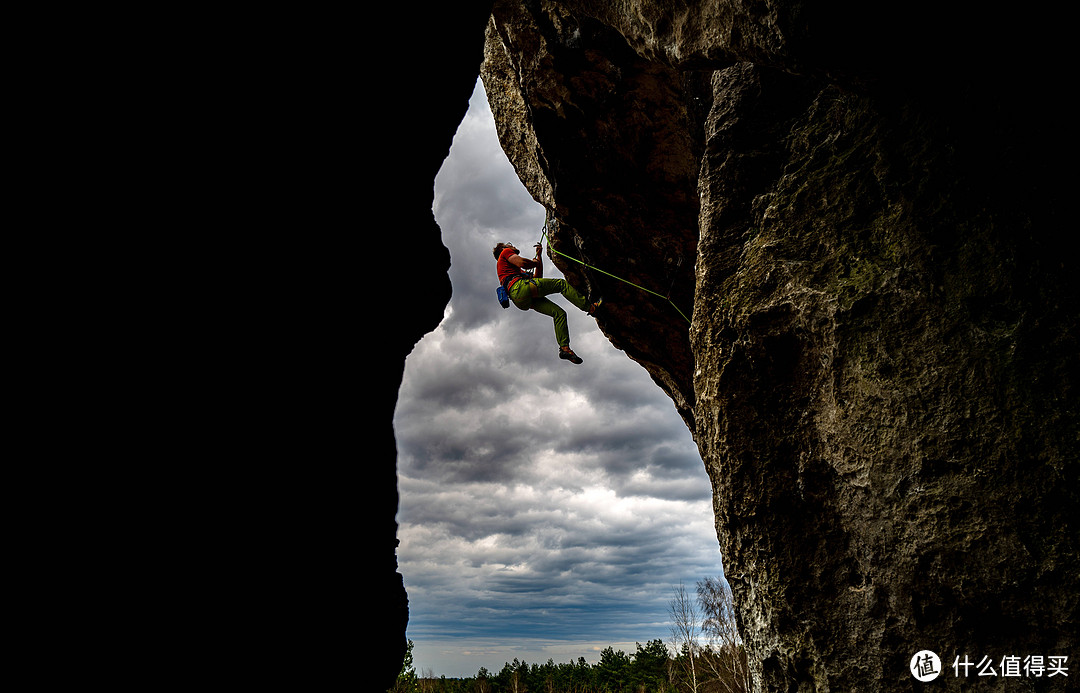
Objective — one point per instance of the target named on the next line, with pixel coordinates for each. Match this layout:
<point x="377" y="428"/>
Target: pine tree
<point x="406" y="680"/>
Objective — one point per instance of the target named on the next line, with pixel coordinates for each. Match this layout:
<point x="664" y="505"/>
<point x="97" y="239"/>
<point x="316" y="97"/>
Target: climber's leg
<point x="558" y="316"/>
<point x="546" y="287"/>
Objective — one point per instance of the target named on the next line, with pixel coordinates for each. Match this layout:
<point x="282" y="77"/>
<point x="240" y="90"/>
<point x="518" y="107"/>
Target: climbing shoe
<point x="595" y="306"/>
<point x="569" y="355"/>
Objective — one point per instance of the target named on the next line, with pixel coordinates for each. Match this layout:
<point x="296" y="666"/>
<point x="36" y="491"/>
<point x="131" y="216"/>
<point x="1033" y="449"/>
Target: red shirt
<point x="507" y="271"/>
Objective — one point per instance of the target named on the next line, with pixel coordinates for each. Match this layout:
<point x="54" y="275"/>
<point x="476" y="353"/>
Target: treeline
<point x="650" y="669"/>
<point x="708" y="658"/>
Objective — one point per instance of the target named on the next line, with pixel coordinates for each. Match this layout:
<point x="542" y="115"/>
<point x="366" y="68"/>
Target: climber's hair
<point x="499" y="247"/>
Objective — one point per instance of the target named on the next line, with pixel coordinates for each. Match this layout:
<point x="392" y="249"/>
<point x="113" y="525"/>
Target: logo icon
<point x="925" y="666"/>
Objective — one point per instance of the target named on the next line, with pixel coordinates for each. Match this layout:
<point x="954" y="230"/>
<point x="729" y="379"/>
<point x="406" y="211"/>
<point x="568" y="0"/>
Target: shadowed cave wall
<point x="858" y="210"/>
<point x="429" y="71"/>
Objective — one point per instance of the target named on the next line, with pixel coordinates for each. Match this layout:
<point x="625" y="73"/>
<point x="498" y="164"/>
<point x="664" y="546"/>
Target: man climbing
<point x="525" y="284"/>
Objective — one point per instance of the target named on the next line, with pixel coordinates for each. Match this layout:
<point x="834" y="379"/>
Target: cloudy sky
<point x="547" y="509"/>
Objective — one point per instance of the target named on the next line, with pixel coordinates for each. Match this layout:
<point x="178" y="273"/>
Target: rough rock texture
<point x="880" y="373"/>
<point x="620" y="182"/>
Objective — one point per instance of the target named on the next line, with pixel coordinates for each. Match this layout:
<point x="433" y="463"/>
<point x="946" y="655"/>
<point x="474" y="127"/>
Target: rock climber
<point x="526" y="286"/>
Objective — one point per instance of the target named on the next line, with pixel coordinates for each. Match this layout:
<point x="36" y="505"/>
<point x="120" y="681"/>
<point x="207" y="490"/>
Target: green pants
<point x="528" y="294"/>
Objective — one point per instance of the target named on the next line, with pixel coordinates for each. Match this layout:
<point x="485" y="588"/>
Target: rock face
<point x="859" y="298"/>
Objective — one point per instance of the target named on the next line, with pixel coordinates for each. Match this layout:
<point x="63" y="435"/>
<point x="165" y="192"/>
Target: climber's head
<point x="499" y="247"/>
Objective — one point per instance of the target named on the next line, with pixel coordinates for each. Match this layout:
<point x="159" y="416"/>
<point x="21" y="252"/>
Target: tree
<point x="649" y="670"/>
<point x="406" y="680"/>
<point x="426" y="682"/>
<point x="481" y="683"/>
<point x="709" y="651"/>
<point x="613" y="669"/>
<point x="727" y="657"/>
<point x="685" y="629"/>
<point x="513" y="677"/>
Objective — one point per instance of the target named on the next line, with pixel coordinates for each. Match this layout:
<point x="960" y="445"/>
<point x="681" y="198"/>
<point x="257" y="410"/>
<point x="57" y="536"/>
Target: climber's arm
<point x="523" y="263"/>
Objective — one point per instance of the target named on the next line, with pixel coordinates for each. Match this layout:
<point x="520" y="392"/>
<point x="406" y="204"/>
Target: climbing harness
<point x="625" y="281"/>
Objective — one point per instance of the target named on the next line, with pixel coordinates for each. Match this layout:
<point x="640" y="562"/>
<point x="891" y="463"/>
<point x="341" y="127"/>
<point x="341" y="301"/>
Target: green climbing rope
<point x="625" y="281"/>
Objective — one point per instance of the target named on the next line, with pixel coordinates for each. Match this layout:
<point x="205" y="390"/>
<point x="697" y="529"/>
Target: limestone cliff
<point x="853" y="206"/>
